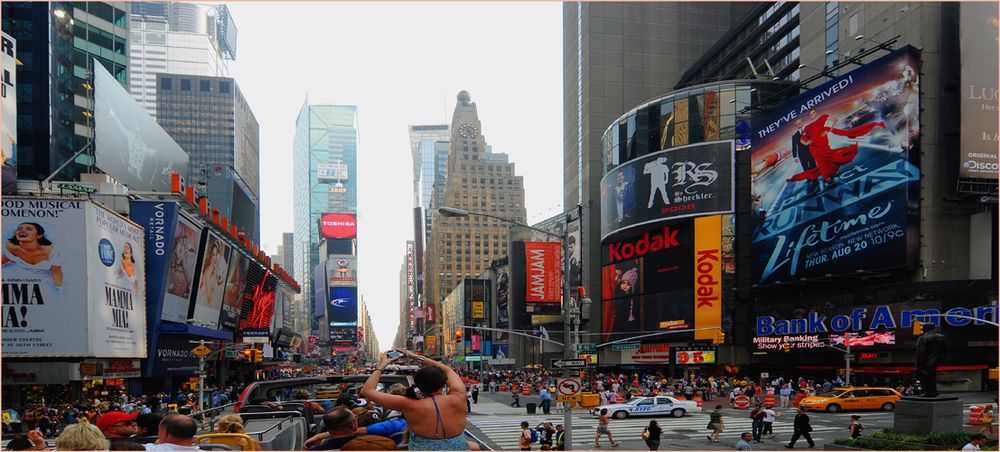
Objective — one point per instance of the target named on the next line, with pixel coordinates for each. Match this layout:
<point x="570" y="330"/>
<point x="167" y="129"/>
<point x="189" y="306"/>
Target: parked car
<point x="649" y="406"/>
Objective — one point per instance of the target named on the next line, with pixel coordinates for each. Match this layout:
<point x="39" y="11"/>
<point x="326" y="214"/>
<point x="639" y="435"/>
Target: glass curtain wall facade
<point x="174" y="38"/>
<point x="768" y="37"/>
<point x="210" y="119"/>
<point x="56" y="42"/>
<point x="326" y="136"/>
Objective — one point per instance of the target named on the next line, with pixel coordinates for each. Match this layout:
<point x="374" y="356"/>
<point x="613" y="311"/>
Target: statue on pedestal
<point x="931" y="350"/>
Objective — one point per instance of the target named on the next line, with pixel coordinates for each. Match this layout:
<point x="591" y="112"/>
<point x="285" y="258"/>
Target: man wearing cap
<point x="118" y="426"/>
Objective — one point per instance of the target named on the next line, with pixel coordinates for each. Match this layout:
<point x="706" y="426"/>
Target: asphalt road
<point x="498" y="424"/>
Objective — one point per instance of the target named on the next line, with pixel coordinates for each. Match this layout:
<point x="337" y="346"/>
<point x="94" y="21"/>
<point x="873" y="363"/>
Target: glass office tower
<point x="325" y="169"/>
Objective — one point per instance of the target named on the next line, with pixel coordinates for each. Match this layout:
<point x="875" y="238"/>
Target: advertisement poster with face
<point x="180" y="271"/>
<point x="676" y="183"/>
<point x="575" y="262"/>
<point x="211" y="285"/>
<point x="117" y="313"/>
<point x="44" y="278"/>
<point x="648" y="279"/>
<point x="232" y="300"/>
<point x="834" y="185"/>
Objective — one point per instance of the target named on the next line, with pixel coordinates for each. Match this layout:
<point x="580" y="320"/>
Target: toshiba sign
<point x="338" y="225"/>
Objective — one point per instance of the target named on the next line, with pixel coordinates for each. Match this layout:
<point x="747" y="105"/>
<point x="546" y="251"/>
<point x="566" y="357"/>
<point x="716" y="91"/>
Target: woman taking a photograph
<point x="436" y="420"/>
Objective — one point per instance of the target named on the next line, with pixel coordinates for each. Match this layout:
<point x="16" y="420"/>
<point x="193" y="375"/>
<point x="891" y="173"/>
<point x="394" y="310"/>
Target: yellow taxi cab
<point x="852" y="398"/>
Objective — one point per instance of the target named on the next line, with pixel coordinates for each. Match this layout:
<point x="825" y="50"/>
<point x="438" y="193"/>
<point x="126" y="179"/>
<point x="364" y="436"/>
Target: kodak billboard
<point x="707" y="276"/>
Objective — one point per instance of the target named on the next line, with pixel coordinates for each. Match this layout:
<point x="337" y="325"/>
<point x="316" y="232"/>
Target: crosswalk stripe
<point x="504" y="432"/>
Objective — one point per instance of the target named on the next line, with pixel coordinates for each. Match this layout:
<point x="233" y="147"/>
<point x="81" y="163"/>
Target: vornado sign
<point x="338" y="225"/>
<point x="680" y="182"/>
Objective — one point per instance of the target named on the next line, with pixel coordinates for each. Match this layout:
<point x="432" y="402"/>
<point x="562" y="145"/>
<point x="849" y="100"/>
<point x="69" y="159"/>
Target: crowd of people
<point x="430" y="415"/>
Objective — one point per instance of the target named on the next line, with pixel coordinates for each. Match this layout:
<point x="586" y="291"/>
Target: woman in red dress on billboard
<point x="829" y="160"/>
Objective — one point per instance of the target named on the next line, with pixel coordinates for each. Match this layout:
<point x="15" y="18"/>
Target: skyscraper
<point x="212" y="121"/>
<point x="616" y="56"/>
<point x="288" y="257"/>
<point x="477" y="181"/>
<point x="177" y="38"/>
<point x="423" y="139"/>
<point x="324" y="154"/>
<point x="56" y="44"/>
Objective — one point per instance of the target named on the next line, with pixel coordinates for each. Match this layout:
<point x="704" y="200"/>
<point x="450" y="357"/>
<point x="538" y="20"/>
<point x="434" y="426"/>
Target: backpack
<point x="534" y="436"/>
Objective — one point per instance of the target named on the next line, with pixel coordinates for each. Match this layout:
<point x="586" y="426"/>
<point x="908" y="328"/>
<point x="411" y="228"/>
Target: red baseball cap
<point x="110" y="418"/>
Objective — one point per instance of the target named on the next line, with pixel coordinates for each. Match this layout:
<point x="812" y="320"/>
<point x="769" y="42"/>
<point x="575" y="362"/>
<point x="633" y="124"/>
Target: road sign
<point x="569" y="386"/>
<point x="586" y="348"/>
<point x="201" y="351"/>
<point x="764" y="375"/>
<point x="569" y="398"/>
<point x="624" y="347"/>
<point x="567" y="363"/>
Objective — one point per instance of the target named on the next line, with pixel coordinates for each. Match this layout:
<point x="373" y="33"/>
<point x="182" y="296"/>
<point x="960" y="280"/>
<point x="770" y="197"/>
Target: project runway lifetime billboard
<point x="835" y="188"/>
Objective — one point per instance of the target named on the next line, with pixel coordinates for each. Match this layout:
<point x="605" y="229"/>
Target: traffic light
<point x="247" y="355"/>
<point x="720" y="338"/>
<point x="918" y="328"/>
<point x="258" y="356"/>
<point x="458" y="335"/>
<point x="788" y="347"/>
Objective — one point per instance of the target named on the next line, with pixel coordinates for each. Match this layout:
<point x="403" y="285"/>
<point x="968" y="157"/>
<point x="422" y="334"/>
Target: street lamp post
<point x="570" y="310"/>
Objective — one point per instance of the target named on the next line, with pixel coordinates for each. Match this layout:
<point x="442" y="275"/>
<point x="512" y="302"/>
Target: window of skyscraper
<point x="166" y="83"/>
<point x="185" y="84"/>
<point x="224" y="87"/>
<point x="205" y="86"/>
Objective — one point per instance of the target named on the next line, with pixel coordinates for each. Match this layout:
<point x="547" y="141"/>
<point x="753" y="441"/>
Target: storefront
<point x="793" y="338"/>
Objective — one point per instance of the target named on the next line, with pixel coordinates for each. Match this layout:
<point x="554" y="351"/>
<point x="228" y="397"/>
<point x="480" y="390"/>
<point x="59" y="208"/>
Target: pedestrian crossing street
<point x="503" y="430"/>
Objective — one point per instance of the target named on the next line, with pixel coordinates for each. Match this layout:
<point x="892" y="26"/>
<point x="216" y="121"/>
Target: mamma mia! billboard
<point x="834" y="182"/>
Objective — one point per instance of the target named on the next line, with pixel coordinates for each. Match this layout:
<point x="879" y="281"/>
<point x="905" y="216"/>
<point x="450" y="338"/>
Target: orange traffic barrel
<point x="976" y="415"/>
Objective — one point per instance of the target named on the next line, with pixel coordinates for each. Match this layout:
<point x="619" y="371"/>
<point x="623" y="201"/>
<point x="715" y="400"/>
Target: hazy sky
<point x="401" y="64"/>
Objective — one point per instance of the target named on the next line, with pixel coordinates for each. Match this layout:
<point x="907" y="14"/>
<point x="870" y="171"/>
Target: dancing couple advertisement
<point x="834" y="182"/>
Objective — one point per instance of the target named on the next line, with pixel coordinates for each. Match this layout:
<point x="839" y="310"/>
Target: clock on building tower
<point x="468" y="131"/>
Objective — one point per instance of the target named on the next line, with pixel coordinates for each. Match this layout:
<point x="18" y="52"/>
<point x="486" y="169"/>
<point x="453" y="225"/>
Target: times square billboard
<point x="835" y="183"/>
<point x="685" y="181"/>
<point x="664" y="277"/>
